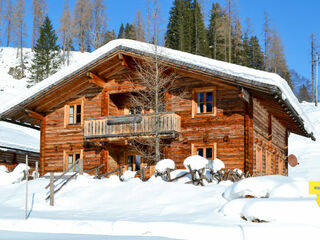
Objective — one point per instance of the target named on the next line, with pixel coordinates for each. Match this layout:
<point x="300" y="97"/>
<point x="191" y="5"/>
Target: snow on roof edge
<point x="211" y="65"/>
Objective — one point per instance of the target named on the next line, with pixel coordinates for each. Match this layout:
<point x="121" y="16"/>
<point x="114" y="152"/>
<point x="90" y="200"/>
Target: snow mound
<point x="15" y="176"/>
<point x="217" y="165"/>
<point x="3" y="169"/>
<point x="165" y="164"/>
<point x="195" y="162"/>
<point x="128" y="175"/>
<point x="254" y="186"/>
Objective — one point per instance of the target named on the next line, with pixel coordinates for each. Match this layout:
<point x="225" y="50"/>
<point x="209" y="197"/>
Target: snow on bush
<point x="254" y="186"/>
<point x="237" y="170"/>
<point x="196" y="162"/>
<point x="15" y="176"/>
<point x="3" y="169"/>
<point x="298" y="188"/>
<point x="128" y="175"/>
<point x="18" y="173"/>
<point x="217" y="165"/>
<point x="165" y="164"/>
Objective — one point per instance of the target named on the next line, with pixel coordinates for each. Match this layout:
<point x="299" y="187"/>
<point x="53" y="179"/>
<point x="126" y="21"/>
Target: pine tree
<point x="304" y="94"/>
<point x="255" y="57"/>
<point x="109" y="36"/>
<point x="129" y="31"/>
<point x="216" y="32"/>
<point x="200" y="44"/>
<point x="175" y="31"/>
<point x="46" y="60"/>
<point x="121" y="33"/>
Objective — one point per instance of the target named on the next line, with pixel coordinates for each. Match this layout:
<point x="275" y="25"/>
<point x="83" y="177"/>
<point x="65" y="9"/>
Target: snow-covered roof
<point x="240" y="73"/>
<point x="16" y="137"/>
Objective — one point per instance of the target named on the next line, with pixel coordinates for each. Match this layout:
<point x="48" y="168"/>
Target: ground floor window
<point x="258" y="159"/>
<point x="70" y="159"/>
<point x="134" y="162"/>
<point x="207" y="151"/>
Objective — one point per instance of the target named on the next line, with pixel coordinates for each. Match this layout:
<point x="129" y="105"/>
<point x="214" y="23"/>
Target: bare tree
<point x="267" y="35"/>
<point x="99" y="22"/>
<point x="65" y="31"/>
<point x="9" y="20"/>
<point x="39" y="8"/>
<point x="139" y="27"/>
<point x="20" y="26"/>
<point x="82" y="24"/>
<point x="1" y="12"/>
<point x="313" y="51"/>
<point x="157" y="80"/>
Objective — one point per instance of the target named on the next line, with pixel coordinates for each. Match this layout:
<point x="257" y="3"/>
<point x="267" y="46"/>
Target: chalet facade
<point x="239" y="115"/>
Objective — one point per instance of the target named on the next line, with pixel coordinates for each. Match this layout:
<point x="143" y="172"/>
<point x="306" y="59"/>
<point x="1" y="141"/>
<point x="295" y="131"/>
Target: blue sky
<point x="295" y="20"/>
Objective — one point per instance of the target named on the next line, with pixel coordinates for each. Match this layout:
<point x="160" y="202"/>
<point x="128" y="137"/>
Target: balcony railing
<point x="132" y="125"/>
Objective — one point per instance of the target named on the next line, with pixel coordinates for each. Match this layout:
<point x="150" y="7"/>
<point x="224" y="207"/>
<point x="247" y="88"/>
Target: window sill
<point x="205" y="115"/>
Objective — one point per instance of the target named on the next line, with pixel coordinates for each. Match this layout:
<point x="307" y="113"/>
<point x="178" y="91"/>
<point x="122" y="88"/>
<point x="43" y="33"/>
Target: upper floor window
<point x="135" y="110"/>
<point x="204" y="101"/>
<point x="73" y="114"/>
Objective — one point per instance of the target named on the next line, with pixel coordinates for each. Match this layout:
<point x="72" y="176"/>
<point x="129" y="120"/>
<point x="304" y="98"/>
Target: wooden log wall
<point x="11" y="159"/>
<point x="270" y="136"/>
<point x="226" y="129"/>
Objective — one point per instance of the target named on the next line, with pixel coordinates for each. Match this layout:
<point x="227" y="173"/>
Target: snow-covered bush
<point x="217" y="165"/>
<point x="19" y="172"/>
<point x="165" y="164"/>
<point x="195" y="162"/>
<point x="254" y="186"/>
<point x="128" y="175"/>
<point x="15" y="176"/>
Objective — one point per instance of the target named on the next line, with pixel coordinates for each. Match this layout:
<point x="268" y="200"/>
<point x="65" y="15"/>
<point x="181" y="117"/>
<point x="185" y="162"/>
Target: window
<point x="135" y="110"/>
<point x="134" y="162"/>
<point x="268" y="162"/>
<point x="71" y="158"/>
<point x="204" y="101"/>
<point x="74" y="114"/>
<point x="206" y="151"/>
<point x="258" y="159"/>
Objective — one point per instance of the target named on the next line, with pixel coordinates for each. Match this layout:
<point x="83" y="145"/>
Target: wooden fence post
<point x="27" y="174"/>
<point x="51" y="189"/>
<point x="36" y="175"/>
<point x="81" y="166"/>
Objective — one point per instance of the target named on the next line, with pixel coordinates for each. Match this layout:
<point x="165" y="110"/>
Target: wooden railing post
<point x="80" y="166"/>
<point x="51" y="189"/>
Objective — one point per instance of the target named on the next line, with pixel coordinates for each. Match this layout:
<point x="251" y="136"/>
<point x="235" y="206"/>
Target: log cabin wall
<point x="225" y="131"/>
<point x="12" y="159"/>
<point x="270" y="148"/>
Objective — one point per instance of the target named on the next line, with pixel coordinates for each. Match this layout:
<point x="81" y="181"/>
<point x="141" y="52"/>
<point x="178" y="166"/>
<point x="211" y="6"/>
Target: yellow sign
<point x="314" y="188"/>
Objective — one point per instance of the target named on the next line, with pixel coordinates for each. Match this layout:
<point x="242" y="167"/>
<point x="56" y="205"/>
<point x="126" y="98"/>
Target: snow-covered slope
<point x="14" y="136"/>
<point x="306" y="150"/>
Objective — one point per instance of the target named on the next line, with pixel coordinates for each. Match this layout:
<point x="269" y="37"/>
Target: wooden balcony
<point x="132" y="126"/>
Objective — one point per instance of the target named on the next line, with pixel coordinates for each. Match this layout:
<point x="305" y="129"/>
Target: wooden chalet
<point x="239" y="115"/>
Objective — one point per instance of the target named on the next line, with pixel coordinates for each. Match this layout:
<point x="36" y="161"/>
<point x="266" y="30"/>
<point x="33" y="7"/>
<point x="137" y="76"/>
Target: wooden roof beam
<point x="34" y="115"/>
<point x="97" y="80"/>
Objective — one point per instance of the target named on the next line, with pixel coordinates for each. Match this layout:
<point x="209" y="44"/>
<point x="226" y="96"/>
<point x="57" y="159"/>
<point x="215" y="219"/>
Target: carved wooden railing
<point x="131" y="125"/>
